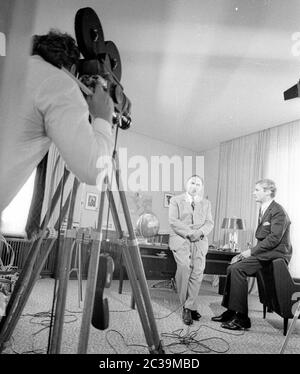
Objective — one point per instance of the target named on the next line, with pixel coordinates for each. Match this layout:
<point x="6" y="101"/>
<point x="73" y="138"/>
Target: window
<point x="14" y="217"/>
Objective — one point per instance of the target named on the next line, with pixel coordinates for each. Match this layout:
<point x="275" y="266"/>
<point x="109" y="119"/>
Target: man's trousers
<point x="190" y="260"/>
<point x="236" y="287"/>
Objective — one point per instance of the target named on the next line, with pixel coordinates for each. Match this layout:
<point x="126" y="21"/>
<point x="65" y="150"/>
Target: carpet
<point x="125" y="334"/>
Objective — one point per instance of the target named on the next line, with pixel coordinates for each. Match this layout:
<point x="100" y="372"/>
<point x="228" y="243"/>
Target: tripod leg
<point x="139" y="301"/>
<point x="75" y="246"/>
<point x="292" y="326"/>
<point x="12" y="308"/>
<point x="91" y="282"/>
<point x="56" y="195"/>
<point x="9" y="322"/>
<point x="25" y="273"/>
<point x="121" y="275"/>
<point x="28" y="277"/>
<point x="138" y="266"/>
<point x="79" y="274"/>
<point x="63" y="277"/>
<point x="150" y="330"/>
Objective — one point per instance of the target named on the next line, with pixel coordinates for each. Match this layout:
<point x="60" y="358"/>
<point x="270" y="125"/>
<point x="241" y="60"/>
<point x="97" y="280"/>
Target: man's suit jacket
<point x="184" y="220"/>
<point x="273" y="234"/>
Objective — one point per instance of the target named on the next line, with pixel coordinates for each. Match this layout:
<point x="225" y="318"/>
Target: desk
<point x="216" y="263"/>
<point x="165" y="268"/>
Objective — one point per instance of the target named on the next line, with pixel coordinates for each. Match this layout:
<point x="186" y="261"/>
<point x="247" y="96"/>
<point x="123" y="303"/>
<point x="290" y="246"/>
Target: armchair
<point x="276" y="288"/>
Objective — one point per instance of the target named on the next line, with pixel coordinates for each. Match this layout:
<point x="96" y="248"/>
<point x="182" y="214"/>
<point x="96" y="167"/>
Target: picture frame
<point x="91" y="202"/>
<point x="167" y="198"/>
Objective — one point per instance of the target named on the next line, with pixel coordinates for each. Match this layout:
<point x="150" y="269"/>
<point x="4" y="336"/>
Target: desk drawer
<point x="216" y="267"/>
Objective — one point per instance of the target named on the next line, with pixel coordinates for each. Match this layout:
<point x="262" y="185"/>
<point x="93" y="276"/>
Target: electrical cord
<point x="122" y="337"/>
<point x="209" y="327"/>
<point x="188" y="340"/>
<point x="172" y="312"/>
<point x="45" y="322"/>
<point x="184" y="341"/>
<point x="194" y="345"/>
<point x="32" y="351"/>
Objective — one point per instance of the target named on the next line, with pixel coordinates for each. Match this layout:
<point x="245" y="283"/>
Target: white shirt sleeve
<point x="66" y="123"/>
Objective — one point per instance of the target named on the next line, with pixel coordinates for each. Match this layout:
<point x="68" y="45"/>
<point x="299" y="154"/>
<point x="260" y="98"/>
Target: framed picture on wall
<point x="91" y="201"/>
<point x="167" y="199"/>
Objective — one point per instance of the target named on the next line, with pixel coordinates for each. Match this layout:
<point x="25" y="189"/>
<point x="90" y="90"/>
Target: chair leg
<point x="285" y="325"/>
<point x="264" y="310"/>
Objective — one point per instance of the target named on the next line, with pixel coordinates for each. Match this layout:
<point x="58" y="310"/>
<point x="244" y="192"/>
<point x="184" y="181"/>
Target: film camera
<point x="101" y="64"/>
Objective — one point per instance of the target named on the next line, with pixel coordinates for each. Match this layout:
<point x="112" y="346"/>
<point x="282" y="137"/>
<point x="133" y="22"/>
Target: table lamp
<point x="233" y="225"/>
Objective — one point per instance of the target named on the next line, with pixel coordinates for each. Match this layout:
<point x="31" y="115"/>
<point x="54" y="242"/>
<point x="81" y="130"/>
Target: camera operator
<point x="55" y="110"/>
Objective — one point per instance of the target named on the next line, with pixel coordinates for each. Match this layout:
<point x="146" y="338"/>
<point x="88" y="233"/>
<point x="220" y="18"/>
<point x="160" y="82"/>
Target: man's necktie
<point x="260" y="216"/>
<point x="193" y="207"/>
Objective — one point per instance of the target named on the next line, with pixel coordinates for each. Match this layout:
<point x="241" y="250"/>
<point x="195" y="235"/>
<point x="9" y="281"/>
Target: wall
<point x="140" y="150"/>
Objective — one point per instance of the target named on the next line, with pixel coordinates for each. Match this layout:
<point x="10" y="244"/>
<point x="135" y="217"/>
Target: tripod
<point x="133" y="263"/>
<point x="37" y="258"/>
<point x="291" y="328"/>
<point x="34" y="263"/>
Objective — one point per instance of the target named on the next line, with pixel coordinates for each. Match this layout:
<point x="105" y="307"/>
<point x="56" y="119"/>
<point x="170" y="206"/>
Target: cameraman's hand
<point x="100" y="104"/>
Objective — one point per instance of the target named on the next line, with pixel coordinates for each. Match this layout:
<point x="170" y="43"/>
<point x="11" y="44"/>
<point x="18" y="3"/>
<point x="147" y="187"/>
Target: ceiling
<point x="198" y="72"/>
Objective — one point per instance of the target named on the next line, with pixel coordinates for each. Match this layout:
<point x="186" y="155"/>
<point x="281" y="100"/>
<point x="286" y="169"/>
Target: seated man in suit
<point x="191" y="221"/>
<point x="273" y="241"/>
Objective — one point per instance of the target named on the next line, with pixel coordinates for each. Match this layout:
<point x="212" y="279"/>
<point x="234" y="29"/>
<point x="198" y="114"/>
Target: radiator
<point x="21" y="249"/>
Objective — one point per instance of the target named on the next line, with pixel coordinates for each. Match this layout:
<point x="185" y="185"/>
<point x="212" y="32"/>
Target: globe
<point x="147" y="225"/>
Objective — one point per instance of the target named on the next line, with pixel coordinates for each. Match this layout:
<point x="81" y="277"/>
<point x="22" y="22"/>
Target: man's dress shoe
<point x="224" y="317"/>
<point x="195" y="315"/>
<point x="237" y="324"/>
<point x="187" y="316"/>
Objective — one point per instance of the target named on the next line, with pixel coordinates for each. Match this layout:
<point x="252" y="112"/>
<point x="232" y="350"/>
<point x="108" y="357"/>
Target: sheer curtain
<point x="241" y="164"/>
<point x="273" y="153"/>
<point x="14" y="217"/>
<point x="52" y="180"/>
<point x="283" y="166"/>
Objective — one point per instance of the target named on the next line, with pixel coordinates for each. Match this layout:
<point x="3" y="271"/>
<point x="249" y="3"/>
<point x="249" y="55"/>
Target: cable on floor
<point x="122" y="337"/>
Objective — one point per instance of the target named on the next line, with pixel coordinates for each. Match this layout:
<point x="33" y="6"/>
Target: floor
<point x="126" y="335"/>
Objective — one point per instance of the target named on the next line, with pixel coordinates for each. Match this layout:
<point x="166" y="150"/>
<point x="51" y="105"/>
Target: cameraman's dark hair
<point x="59" y="49"/>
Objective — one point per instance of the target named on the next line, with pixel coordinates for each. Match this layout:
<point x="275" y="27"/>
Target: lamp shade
<point x="233" y="224"/>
